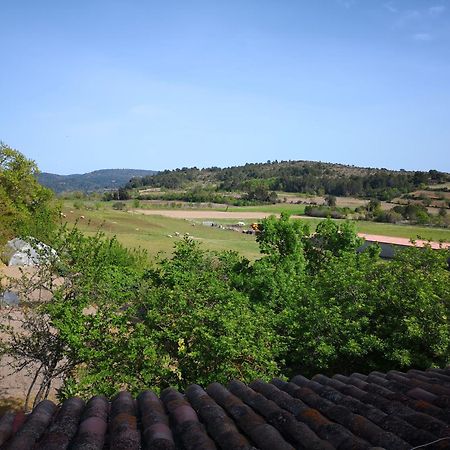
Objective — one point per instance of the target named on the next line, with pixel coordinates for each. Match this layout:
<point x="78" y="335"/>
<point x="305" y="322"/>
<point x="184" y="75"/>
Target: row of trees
<point x="413" y="213"/>
<point x="255" y="192"/>
<point x="310" y="304"/>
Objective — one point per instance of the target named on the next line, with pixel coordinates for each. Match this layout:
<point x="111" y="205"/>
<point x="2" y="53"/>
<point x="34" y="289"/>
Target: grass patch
<point x="152" y="232"/>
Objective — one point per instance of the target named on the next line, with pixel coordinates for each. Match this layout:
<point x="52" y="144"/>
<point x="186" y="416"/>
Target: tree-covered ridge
<point x="97" y="180"/>
<point x="298" y="176"/>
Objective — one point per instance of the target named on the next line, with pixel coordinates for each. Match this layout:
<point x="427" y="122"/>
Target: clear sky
<point x="90" y="84"/>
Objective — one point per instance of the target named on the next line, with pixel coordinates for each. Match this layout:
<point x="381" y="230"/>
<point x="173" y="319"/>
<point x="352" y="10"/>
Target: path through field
<point x="210" y="214"/>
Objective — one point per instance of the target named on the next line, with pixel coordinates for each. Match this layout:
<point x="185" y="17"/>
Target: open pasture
<point x="156" y="230"/>
<point x="155" y="233"/>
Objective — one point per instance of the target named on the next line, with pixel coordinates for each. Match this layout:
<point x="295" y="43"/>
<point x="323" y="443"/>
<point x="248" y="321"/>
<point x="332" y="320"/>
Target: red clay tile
<point x="393" y="410"/>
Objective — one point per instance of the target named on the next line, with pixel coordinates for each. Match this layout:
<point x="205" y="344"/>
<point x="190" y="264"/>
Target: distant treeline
<point x="99" y="180"/>
<point x="298" y="176"/>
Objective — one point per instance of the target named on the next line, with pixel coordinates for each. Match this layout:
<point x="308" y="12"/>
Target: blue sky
<point x="93" y="84"/>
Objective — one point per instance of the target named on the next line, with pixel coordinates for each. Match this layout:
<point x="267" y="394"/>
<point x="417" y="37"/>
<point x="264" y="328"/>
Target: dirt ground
<point x="185" y="214"/>
<point x="14" y="386"/>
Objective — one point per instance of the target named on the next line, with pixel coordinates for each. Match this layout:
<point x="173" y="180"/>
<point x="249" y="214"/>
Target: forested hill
<point x="92" y="181"/>
<point x="297" y="176"/>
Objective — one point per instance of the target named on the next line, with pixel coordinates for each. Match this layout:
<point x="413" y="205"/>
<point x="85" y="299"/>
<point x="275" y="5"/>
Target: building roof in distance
<point x="393" y="410"/>
<point x="404" y="242"/>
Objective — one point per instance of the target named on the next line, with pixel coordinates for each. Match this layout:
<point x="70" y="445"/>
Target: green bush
<point x="119" y="206"/>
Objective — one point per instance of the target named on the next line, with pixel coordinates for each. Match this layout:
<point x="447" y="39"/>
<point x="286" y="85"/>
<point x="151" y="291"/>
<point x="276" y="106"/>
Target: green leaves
<point x="282" y="237"/>
<point x="25" y="205"/>
<point x="309" y="304"/>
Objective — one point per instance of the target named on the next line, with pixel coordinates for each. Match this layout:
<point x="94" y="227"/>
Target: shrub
<point x="119" y="206"/>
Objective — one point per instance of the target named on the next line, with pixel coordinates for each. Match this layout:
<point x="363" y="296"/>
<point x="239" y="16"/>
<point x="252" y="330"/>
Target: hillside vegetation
<point x="97" y="180"/>
<point x="314" y="178"/>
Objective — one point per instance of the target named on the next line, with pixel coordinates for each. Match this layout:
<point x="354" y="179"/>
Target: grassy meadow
<point x="158" y="234"/>
<point x="152" y="232"/>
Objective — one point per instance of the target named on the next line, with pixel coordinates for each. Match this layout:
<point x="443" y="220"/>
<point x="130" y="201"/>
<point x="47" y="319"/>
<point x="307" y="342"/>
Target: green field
<point x="152" y="232"/>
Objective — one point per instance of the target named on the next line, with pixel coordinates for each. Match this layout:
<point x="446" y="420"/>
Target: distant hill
<point x="310" y="177"/>
<point x="98" y="180"/>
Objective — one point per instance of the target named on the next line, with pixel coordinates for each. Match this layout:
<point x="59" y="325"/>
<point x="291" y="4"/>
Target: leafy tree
<point x="206" y="327"/>
<point x="26" y="207"/>
<point x="331" y="239"/>
<point x="280" y="238"/>
<point x="331" y="200"/>
<point x="119" y="323"/>
<point x="259" y="191"/>
<point x="374" y="205"/>
<point x="340" y="310"/>
<point x="366" y="315"/>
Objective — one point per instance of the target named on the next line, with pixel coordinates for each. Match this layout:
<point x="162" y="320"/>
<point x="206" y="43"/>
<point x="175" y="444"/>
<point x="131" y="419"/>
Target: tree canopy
<point x="26" y="207"/>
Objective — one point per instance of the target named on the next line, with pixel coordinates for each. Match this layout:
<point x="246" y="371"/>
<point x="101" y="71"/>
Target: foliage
<point x="258" y="190"/>
<point x="205" y="327"/>
<point x="121" y="324"/>
<point x="26" y="207"/>
<point x="331" y="200"/>
<point x="367" y="315"/>
<point x="310" y="303"/>
<point x="338" y="310"/>
<point x="297" y="176"/>
<point x="121" y="194"/>
<point x="333" y="212"/>
<point x="119" y="206"/>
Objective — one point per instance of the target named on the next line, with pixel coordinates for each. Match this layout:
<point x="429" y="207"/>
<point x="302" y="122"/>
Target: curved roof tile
<point x="393" y="410"/>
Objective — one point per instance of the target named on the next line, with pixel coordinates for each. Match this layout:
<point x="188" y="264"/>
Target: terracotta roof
<point x="403" y="241"/>
<point x="391" y="410"/>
